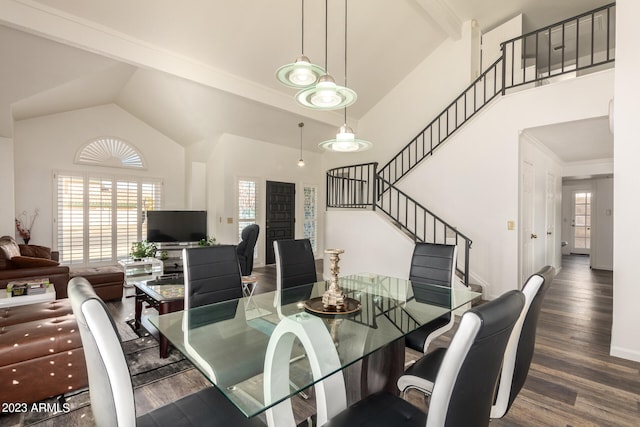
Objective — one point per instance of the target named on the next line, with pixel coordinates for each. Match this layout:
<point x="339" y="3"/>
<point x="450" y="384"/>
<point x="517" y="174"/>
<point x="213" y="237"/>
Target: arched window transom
<point x="110" y="152"/>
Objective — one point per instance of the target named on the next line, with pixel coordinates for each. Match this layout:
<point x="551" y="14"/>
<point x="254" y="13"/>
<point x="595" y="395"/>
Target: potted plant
<point x="143" y="249"/>
<point x="209" y="241"/>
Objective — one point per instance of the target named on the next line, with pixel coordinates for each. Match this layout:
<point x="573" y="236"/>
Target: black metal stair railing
<point x="478" y="94"/>
<point x="571" y="46"/>
<point x="421" y="224"/>
<point x="352" y="186"/>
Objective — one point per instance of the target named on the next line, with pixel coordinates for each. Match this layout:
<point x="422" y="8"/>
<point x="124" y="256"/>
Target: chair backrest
<point x="464" y="387"/>
<point x="295" y="263"/>
<point x="249" y="237"/>
<point x="519" y="352"/>
<point x="110" y="387"/>
<point x="211" y="274"/>
<point x="433" y="263"/>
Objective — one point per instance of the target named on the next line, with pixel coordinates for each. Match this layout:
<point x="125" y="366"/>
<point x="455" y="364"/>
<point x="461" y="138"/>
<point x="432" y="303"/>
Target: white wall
<point x="372" y="244"/>
<point x="7" y="207"/>
<point x="50" y="143"/>
<point x="626" y="292"/>
<point x="431" y="86"/>
<point x="236" y="157"/>
<point x="472" y="182"/>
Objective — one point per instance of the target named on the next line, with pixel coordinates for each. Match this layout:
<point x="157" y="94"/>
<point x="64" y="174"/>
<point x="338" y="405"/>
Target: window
<point x="310" y="219"/>
<point x="98" y="217"/>
<point x="247" y="205"/>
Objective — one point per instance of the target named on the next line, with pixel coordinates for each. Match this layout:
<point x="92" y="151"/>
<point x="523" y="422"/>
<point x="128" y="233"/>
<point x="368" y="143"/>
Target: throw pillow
<point x="9" y="247"/>
<point x="35" y="251"/>
<point x="32" y="262"/>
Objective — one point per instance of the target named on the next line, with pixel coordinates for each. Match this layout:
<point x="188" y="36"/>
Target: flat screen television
<point x="176" y="226"/>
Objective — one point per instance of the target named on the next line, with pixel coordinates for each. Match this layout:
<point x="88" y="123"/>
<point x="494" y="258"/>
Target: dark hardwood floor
<point x="572" y="382"/>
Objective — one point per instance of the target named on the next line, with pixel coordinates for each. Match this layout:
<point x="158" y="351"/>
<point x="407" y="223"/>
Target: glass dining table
<point x="263" y="349"/>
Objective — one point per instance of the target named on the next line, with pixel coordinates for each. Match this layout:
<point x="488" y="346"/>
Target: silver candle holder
<point x="334" y="298"/>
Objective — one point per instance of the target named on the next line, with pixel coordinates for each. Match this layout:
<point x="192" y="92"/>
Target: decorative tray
<point x="314" y="305"/>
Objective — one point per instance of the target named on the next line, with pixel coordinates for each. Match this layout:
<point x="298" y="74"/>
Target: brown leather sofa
<point x="31" y="262"/>
<point x="41" y="355"/>
<point x="37" y="262"/>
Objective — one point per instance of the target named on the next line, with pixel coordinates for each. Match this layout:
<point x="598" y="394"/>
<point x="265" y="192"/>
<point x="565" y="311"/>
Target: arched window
<point x="111" y="152"/>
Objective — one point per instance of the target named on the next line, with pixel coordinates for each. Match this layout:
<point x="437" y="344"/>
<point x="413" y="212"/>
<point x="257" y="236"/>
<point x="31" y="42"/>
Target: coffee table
<point x="165" y="295"/>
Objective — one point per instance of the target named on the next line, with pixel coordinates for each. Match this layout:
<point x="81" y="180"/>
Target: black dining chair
<point x="464" y="387"/>
<point x="295" y="267"/>
<point x="295" y="263"/>
<point x="517" y="356"/>
<point x="432" y="264"/>
<point x="246" y="247"/>
<point x="110" y="387"/>
<point x="211" y="274"/>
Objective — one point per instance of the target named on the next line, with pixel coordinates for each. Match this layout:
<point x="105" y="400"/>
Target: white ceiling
<point x="218" y="58"/>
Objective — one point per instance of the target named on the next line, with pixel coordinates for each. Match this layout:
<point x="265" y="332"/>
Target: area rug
<point x="73" y="409"/>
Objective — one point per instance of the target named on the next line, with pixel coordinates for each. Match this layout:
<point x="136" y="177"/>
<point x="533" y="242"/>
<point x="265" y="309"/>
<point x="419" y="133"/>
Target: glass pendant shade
<point x="345" y="142"/>
<point x="326" y="95"/>
<point x="300" y="74"/>
<point x="300" y="163"/>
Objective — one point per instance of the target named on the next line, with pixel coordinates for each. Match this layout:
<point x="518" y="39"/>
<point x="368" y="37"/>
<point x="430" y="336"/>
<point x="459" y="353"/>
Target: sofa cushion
<point x="36" y="251"/>
<point x="9" y="247"/>
<point x="29" y="262"/>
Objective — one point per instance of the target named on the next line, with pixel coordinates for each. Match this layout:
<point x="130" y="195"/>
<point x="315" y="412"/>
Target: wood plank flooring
<point x="572" y="382"/>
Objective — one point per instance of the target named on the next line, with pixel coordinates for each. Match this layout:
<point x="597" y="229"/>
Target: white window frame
<point x="255" y="220"/>
<point x="85" y="239"/>
<point x="314" y="220"/>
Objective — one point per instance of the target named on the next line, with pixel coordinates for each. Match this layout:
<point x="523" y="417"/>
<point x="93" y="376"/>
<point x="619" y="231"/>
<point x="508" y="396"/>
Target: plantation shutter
<point x="70" y="218"/>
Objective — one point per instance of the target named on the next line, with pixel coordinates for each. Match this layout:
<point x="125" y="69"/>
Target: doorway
<point x="280" y="215"/>
<point x="581" y="222"/>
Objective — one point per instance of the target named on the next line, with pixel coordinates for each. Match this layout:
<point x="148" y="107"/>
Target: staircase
<point x="575" y="45"/>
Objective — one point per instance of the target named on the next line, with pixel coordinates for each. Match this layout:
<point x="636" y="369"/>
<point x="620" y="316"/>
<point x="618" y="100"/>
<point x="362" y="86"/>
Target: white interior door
<point x="581" y="222"/>
<point x="550" y="238"/>
<point x="528" y="235"/>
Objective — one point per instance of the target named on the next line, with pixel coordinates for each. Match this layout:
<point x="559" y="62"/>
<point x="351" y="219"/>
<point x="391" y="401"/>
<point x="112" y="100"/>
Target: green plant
<point x="143" y="249"/>
<point x="209" y="241"/>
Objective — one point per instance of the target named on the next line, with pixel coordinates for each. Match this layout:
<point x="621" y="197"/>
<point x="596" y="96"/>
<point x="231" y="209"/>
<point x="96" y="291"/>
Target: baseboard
<point x="625" y="353"/>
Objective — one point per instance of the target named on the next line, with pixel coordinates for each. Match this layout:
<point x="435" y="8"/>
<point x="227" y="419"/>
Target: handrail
<point x="363" y="186"/>
<point x="419" y="222"/>
<point x="478" y="94"/>
<point x="352" y="186"/>
<point x="568" y="46"/>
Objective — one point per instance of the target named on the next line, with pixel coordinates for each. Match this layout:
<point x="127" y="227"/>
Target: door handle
<point x="534" y="236"/>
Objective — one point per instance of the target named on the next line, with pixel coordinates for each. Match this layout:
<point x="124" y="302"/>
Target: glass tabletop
<point x="238" y="345"/>
<point x="162" y="290"/>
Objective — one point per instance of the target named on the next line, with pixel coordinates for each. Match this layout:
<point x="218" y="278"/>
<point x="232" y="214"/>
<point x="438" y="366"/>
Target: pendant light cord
<point x="301" y="125"/>
<point x="326" y="34"/>
<point x="302" y="38"/>
<point x="345" y="55"/>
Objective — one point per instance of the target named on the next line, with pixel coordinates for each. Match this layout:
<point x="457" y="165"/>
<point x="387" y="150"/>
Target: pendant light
<point x="326" y="94"/>
<point x="301" y="162"/>
<point x="302" y="73"/>
<point x="345" y="140"/>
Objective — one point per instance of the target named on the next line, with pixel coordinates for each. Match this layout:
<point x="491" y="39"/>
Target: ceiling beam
<point x="442" y="16"/>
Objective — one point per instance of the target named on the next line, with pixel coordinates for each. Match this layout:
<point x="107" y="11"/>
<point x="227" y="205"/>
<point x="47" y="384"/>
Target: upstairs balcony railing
<point x="581" y="43"/>
<point x="570" y="46"/>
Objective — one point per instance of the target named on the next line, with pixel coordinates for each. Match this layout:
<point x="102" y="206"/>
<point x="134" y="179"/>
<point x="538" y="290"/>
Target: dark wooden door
<point x="281" y="198"/>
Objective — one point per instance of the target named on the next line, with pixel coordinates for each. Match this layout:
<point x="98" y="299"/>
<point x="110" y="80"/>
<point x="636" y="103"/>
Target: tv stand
<point x="172" y="264"/>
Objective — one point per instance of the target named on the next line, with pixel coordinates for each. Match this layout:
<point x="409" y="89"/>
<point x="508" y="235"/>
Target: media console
<point x="172" y="263"/>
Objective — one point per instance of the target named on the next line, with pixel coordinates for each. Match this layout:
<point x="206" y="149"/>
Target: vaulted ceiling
<point x="200" y="68"/>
